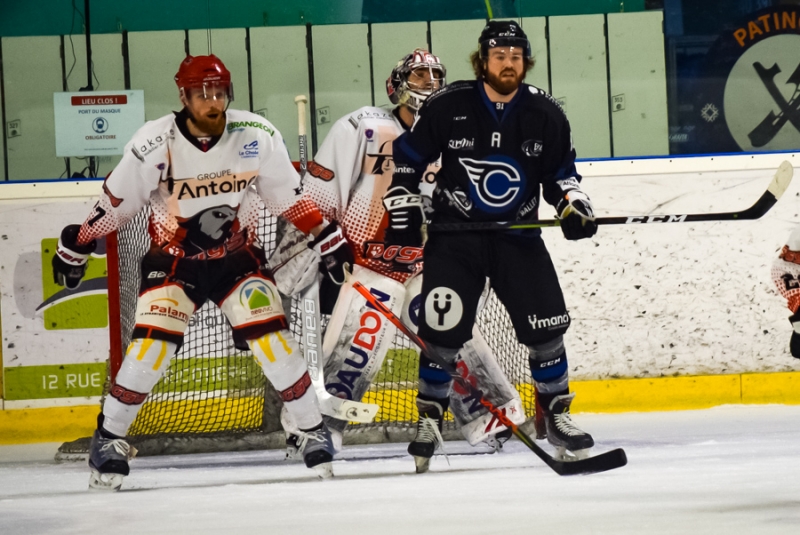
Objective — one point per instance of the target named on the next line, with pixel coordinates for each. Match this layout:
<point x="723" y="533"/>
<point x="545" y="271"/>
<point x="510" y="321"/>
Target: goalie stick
<point x="776" y="188"/>
<point x="599" y="463"/>
<point x="341" y="409"/>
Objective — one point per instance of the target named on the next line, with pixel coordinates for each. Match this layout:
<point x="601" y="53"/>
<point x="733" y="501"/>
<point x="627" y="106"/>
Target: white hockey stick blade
<point x="782" y="179"/>
<point x="345" y="409"/>
<point x="341" y="409"/>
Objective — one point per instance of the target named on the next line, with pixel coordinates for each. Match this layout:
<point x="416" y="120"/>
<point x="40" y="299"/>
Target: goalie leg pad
<point x="477" y="365"/>
<point x="279" y="356"/>
<point x="145" y="362"/>
<point x="358" y="337"/>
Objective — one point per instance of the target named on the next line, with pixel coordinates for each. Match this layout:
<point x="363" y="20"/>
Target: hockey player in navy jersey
<point x="195" y="169"/>
<point x="347" y="179"/>
<point x="503" y="144"/>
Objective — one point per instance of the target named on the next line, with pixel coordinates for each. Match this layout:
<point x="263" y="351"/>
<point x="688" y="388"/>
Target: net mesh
<point x="211" y="387"/>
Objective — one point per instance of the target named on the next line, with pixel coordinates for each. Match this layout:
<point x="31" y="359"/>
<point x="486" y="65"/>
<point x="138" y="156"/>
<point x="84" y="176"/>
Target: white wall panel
<point x="578" y="70"/>
<point x="280" y="72"/>
<point x="638" y="81"/>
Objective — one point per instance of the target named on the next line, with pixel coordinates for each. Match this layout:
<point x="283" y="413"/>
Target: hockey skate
<point x="316" y="446"/>
<point x="429" y="434"/>
<point x="108" y="459"/>
<point x="569" y="441"/>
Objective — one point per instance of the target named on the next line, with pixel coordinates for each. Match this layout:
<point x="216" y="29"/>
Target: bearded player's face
<point x="505" y="68"/>
<point x="206" y="107"/>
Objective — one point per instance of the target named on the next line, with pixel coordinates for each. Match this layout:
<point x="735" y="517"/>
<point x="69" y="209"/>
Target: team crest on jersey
<point x="497" y="183"/>
<point x="322" y="173"/>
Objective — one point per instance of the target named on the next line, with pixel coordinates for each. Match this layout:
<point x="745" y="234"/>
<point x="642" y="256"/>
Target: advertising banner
<point x="55" y="341"/>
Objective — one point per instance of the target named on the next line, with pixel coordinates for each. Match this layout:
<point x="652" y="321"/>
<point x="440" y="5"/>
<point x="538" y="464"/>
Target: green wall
<point x="56" y="17"/>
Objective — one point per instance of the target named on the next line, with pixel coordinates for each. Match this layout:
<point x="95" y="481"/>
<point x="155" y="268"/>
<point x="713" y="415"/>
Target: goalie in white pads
<point x="347" y="179"/>
<point x="192" y="170"/>
<point x="786" y="276"/>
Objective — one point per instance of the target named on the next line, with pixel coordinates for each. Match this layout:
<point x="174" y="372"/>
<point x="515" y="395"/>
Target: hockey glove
<point x="69" y="262"/>
<point x="576" y="215"/>
<point x="335" y="253"/>
<point x="406" y="215"/>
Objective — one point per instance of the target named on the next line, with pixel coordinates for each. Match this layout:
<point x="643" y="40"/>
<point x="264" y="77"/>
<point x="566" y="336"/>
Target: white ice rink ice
<point x="727" y="470"/>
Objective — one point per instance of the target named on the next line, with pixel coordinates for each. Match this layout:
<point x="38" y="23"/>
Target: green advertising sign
<point x="86" y="307"/>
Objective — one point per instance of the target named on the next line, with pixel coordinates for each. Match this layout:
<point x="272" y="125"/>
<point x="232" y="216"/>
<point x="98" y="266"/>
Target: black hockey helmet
<point x="503" y="33"/>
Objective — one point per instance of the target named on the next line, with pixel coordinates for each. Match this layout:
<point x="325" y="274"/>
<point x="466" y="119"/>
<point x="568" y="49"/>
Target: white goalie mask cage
<point x="402" y="92"/>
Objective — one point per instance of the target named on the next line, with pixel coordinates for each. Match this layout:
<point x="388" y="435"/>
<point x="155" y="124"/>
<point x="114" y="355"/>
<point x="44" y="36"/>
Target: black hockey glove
<point x="794" y="342"/>
<point x="69" y="262"/>
<point x="406" y="216"/>
<point x="576" y="215"/>
<point x="335" y="252"/>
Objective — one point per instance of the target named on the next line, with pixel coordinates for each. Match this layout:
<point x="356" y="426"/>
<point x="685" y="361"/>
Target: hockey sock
<point x="548" y="362"/>
<point x="145" y="362"/>
<point x="279" y="356"/>
<point x="434" y="382"/>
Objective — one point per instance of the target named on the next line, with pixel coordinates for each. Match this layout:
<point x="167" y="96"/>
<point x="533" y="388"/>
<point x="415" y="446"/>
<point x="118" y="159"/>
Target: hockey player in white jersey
<point x="347" y="179"/>
<point x="194" y="169"/>
<point x="786" y="276"/>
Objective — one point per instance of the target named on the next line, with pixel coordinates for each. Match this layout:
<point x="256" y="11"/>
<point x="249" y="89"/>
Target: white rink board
<point x="658" y="300"/>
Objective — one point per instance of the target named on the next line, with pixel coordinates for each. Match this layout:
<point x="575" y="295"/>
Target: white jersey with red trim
<point x="199" y="198"/>
<point x="349" y="176"/>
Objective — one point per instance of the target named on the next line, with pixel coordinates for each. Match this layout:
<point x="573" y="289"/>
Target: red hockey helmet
<point x="203" y="72"/>
<point x="403" y="92"/>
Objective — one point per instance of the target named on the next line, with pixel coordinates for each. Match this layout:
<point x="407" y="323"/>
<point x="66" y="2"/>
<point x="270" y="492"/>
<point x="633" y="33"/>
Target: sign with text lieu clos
<point x="94" y="123"/>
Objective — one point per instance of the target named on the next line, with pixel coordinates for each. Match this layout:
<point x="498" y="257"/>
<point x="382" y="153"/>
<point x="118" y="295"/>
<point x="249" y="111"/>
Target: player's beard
<point x="211" y="123"/>
<point x="504" y="85"/>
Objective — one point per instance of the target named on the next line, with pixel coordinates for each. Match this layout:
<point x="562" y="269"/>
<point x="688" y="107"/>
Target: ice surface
<point x="727" y="470"/>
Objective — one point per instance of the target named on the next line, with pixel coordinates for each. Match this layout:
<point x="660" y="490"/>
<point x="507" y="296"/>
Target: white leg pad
<point x="358" y="337"/>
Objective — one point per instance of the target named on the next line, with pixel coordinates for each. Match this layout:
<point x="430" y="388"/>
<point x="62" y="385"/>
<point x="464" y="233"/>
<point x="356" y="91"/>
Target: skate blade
<point x="105" y="482"/>
<point x="292" y="454"/>
<point x="562" y="454"/>
<point x="422" y="464"/>
<point x="324" y="470"/>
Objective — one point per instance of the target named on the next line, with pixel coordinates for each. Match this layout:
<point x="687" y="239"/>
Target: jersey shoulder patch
<point x="152" y="137"/>
<point x="240" y="120"/>
<point x="368" y="114"/>
<point x="543" y="96"/>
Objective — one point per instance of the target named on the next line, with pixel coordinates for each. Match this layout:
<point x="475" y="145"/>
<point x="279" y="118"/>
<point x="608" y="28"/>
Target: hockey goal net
<point x="215" y="397"/>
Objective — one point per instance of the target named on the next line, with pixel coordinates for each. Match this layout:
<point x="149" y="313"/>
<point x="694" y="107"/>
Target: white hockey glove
<point x="336" y="254"/>
<point x="293" y="264"/>
<point x="69" y="262"/>
<point x="406" y="215"/>
<point x="577" y="215"/>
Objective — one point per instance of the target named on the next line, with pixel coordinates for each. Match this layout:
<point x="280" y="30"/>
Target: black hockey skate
<point x="562" y="433"/>
<point x="317" y="448"/>
<point x="108" y="459"/>
<point x="429" y="433"/>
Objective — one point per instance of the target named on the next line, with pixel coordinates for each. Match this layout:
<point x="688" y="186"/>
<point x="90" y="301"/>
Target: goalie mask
<point x="207" y="73"/>
<point x="414" y="78"/>
<point x="500" y="33"/>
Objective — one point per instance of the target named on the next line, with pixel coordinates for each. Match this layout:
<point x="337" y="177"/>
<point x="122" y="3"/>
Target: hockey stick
<point x="341" y="409"/>
<point x="776" y="188"/>
<point x="599" y="463"/>
<point x="301" y="100"/>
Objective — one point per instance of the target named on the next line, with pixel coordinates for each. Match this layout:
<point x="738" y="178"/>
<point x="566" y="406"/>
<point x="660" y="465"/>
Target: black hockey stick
<point x="599" y="463"/>
<point x="776" y="188"/>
